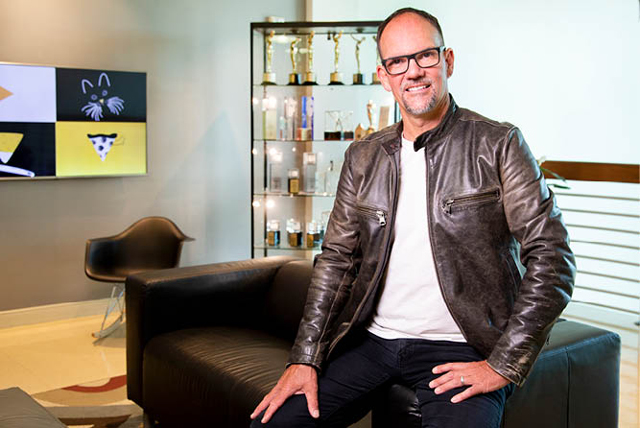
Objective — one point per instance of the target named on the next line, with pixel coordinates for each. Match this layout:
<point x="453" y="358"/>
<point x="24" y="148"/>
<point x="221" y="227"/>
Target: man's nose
<point x="413" y="68"/>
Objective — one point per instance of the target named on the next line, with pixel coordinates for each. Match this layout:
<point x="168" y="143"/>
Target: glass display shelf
<point x="286" y="248"/>
<point x="300" y="132"/>
<point x="319" y="85"/>
<point x="293" y="195"/>
<point x="261" y="140"/>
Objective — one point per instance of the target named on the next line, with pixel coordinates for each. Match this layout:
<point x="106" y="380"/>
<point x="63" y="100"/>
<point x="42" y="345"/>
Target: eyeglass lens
<point x="424" y="59"/>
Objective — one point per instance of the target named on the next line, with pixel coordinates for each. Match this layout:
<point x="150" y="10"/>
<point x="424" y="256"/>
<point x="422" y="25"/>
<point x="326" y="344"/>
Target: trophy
<point x="269" y="77"/>
<point x="310" y="76"/>
<point x="361" y="132"/>
<point x="294" y="77"/>
<point x="371" y="129"/>
<point x="358" y="78"/>
<point x="374" y="75"/>
<point x="336" y="76"/>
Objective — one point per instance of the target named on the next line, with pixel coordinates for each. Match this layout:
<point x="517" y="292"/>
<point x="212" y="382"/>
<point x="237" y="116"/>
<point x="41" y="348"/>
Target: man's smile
<point x="418" y="88"/>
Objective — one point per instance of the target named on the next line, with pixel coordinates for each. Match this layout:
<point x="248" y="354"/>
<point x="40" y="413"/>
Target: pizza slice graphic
<point x="102" y="143"/>
<point x="8" y="143"/>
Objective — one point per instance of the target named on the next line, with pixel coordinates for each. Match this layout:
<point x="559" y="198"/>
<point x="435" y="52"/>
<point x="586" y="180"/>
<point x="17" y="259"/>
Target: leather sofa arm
<point x="171" y="299"/>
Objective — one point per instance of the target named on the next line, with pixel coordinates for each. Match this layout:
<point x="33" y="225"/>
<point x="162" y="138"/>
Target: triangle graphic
<point x="102" y="143"/>
<point x="8" y="143"/>
<point x="4" y="93"/>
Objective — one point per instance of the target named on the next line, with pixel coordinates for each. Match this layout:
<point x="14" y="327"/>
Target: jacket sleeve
<point x="333" y="274"/>
<point x="536" y="223"/>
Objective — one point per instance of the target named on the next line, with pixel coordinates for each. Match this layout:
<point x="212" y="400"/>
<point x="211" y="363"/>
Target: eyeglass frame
<point x="438" y="49"/>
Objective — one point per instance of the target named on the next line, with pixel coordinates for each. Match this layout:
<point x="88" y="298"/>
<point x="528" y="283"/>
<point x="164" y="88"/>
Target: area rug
<point x="99" y="404"/>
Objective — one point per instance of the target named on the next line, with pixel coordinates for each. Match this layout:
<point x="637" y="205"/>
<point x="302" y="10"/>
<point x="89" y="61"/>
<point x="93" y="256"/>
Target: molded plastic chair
<point x="150" y="243"/>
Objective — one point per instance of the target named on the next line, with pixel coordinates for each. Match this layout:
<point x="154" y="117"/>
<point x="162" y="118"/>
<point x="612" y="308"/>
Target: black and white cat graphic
<point x="99" y="97"/>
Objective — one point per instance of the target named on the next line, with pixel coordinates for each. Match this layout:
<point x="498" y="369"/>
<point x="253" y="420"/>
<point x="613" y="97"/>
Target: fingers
<point x="273" y="406"/>
<point x="467" y="393"/>
<point x="478" y="377"/>
<point x="297" y="379"/>
<point x="263" y="405"/>
<point x="312" y="400"/>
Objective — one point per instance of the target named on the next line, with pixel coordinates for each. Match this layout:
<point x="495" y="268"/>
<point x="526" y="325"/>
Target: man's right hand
<point x="296" y="379"/>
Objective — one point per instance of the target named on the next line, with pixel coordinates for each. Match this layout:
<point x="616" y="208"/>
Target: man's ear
<point x="384" y="77"/>
<point x="449" y="59"/>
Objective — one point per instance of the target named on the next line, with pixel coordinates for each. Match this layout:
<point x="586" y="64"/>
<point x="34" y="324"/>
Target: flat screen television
<point x="66" y="122"/>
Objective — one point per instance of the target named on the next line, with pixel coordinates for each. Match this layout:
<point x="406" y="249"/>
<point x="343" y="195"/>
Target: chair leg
<point x="117" y="299"/>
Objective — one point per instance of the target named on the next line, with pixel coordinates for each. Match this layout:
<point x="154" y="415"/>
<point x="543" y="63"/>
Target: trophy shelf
<point x="304" y="28"/>
<point x="305" y="112"/>
<point x="297" y="195"/>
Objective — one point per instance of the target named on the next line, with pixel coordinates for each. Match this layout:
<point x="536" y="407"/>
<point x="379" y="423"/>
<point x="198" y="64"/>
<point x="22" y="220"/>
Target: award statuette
<point x="371" y="129"/>
<point x="294" y="77"/>
<point x="269" y="77"/>
<point x="358" y="78"/>
<point x="336" y="76"/>
<point x="310" y="76"/>
<point x="374" y="76"/>
<point x="361" y="132"/>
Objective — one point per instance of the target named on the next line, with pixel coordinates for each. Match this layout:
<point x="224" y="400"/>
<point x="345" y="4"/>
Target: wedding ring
<point x="462" y="380"/>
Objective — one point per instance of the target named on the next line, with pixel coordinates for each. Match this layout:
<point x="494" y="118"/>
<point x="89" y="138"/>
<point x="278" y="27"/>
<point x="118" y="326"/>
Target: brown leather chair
<point x="148" y="244"/>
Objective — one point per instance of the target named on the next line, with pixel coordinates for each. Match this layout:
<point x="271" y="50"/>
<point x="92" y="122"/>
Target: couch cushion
<point x="192" y="375"/>
<point x="285" y="300"/>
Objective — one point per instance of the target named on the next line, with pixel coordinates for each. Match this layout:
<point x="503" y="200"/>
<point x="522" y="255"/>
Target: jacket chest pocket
<point x="371" y="213"/>
<point x="471" y="201"/>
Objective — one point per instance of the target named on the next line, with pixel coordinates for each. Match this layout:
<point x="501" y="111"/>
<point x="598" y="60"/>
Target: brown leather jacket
<point x="487" y="202"/>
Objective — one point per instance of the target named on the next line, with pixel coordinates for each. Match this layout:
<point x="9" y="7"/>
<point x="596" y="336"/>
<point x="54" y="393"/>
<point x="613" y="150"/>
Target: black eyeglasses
<point x="400" y="64"/>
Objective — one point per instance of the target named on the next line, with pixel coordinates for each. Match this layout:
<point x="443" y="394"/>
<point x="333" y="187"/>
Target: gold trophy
<point x="310" y="76"/>
<point x="269" y="77"/>
<point x="358" y="78"/>
<point x="336" y="76"/>
<point x="294" y="77"/>
<point x="374" y="75"/>
<point x="370" y="106"/>
<point x="361" y="132"/>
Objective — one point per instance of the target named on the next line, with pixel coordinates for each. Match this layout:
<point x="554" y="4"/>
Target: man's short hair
<point x="430" y="18"/>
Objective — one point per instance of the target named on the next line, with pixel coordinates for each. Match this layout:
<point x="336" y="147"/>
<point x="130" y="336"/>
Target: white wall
<point x="566" y="72"/>
<point x="196" y="54"/>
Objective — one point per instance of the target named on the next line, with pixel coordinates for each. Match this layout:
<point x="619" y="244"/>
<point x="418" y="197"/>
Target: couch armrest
<point x="172" y="299"/>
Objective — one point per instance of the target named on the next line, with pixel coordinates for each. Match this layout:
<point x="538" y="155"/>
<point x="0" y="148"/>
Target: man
<point x="417" y="282"/>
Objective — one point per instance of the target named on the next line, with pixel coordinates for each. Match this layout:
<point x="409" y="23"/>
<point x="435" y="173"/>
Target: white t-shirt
<point x="411" y="304"/>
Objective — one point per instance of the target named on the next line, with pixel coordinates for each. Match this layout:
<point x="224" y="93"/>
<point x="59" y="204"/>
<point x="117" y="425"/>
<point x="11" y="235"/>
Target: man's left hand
<point x="479" y="377"/>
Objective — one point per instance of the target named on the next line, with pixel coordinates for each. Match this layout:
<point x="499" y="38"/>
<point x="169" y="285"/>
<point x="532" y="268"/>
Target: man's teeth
<point x="417" y="88"/>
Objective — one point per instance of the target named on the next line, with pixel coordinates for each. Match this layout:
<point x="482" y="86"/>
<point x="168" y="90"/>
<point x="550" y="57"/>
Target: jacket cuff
<point x="506" y="371"/>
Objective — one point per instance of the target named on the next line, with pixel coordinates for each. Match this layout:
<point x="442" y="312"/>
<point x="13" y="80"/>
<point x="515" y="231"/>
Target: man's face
<point x="419" y="90"/>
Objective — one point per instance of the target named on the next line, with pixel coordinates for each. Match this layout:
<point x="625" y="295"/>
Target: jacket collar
<point x="441" y="129"/>
<point x="392" y="145"/>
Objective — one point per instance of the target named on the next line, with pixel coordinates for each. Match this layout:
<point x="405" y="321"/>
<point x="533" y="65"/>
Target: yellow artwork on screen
<point x="101" y="148"/>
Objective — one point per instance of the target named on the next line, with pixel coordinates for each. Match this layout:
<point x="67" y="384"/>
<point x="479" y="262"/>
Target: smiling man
<point x="419" y="279"/>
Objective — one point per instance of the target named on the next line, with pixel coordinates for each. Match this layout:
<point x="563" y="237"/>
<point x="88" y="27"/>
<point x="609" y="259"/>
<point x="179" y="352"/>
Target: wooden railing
<point x="601" y="208"/>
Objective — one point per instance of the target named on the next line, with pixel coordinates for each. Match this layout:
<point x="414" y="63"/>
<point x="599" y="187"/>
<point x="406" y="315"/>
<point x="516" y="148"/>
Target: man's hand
<point x="478" y="376"/>
<point x="296" y="379"/>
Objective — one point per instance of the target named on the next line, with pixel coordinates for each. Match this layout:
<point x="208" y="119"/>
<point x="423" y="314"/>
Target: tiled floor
<point x="53" y="355"/>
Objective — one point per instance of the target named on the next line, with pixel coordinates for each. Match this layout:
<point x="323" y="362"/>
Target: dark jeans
<point x="370" y="362"/>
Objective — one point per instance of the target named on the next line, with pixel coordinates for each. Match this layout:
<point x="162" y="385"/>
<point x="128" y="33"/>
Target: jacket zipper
<point x="379" y="215"/>
<point x="464" y="199"/>
<point x="433" y="253"/>
<point x="378" y="274"/>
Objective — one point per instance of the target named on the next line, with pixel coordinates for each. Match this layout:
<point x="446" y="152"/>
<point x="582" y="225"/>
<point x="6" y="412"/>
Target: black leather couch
<point x="206" y="343"/>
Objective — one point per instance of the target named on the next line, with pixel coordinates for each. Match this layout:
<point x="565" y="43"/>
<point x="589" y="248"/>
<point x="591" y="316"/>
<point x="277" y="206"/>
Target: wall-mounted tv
<point x="67" y="122"/>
